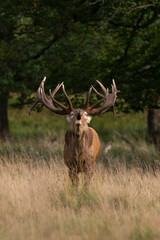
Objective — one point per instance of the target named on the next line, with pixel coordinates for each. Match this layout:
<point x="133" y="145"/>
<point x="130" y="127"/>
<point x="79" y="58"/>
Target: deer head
<point x="77" y="118"/>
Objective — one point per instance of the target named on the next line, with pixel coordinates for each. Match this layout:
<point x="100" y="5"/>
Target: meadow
<point x="37" y="200"/>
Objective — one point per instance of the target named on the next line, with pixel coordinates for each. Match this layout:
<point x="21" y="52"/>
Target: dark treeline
<point x="78" y="42"/>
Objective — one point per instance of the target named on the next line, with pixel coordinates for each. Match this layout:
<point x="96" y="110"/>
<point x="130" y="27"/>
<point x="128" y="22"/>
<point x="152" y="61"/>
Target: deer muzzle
<point x="78" y="122"/>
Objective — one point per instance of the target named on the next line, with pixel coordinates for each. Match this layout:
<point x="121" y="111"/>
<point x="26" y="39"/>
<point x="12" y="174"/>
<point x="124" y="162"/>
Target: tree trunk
<point x="4" y="127"/>
<point x="154" y="126"/>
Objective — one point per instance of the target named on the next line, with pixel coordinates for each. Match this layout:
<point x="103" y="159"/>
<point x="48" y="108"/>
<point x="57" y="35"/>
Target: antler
<point x="48" y="102"/>
<point x="109" y="99"/>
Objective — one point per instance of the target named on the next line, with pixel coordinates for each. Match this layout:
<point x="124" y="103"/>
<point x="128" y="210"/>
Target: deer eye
<point x="71" y="114"/>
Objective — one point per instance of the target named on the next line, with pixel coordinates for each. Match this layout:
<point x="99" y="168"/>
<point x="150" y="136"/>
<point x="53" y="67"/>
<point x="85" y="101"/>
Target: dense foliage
<point x="79" y="42"/>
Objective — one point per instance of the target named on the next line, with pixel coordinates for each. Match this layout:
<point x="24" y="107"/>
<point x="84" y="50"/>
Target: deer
<point x="82" y="145"/>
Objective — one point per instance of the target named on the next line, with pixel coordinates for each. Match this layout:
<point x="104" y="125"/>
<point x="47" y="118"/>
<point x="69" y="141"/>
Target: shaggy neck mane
<point x="85" y="139"/>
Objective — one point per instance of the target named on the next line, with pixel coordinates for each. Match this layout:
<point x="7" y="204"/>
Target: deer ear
<point x="68" y="117"/>
<point x="89" y="119"/>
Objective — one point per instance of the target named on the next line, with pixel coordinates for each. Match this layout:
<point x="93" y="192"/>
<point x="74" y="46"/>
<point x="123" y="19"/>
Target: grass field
<point x="37" y="200"/>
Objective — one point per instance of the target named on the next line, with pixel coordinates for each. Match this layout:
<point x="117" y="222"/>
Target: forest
<point x="79" y="42"/>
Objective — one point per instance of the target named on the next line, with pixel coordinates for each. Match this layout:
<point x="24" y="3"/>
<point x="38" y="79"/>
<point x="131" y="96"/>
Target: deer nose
<point x="79" y="114"/>
<point x="78" y="122"/>
<point x="79" y="117"/>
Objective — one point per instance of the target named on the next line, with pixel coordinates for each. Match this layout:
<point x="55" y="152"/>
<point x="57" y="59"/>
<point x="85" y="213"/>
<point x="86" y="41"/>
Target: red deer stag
<point x="82" y="145"/>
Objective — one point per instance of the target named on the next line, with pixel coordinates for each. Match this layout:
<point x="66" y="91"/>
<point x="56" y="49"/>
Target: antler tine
<point x="65" y="94"/>
<point x="55" y="101"/>
<point x="106" y="91"/>
<point x="97" y="92"/>
<point x="30" y="110"/>
<point x="48" y="102"/>
<point x="114" y="86"/>
<point x="42" y="91"/>
<point x="87" y="98"/>
<point x="56" y="89"/>
<point x="109" y="99"/>
<point x="38" y="96"/>
<point x="45" y="100"/>
<point x="97" y="103"/>
<point x="101" y="85"/>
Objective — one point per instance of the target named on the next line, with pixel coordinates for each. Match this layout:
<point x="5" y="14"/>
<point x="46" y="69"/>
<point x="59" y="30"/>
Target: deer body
<point x="82" y="145"/>
<point x="80" y="154"/>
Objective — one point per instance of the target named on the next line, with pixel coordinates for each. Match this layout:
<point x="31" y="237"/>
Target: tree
<point x="130" y="40"/>
<point x="29" y="29"/>
<point x="36" y="37"/>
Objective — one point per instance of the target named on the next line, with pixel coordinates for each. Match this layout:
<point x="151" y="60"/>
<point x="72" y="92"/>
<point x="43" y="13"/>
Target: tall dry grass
<point x="37" y="201"/>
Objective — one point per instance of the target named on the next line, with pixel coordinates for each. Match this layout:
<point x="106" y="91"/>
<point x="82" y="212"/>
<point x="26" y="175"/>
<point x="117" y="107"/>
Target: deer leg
<point x="73" y="174"/>
<point x="89" y="169"/>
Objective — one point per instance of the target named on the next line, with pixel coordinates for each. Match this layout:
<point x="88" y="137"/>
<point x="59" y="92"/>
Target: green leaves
<point x="79" y="42"/>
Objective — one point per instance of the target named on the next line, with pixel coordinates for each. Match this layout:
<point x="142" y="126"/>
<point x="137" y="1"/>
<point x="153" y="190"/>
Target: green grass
<point x="133" y="125"/>
<point x="21" y="124"/>
<point x="36" y="125"/>
<point x="45" y="131"/>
